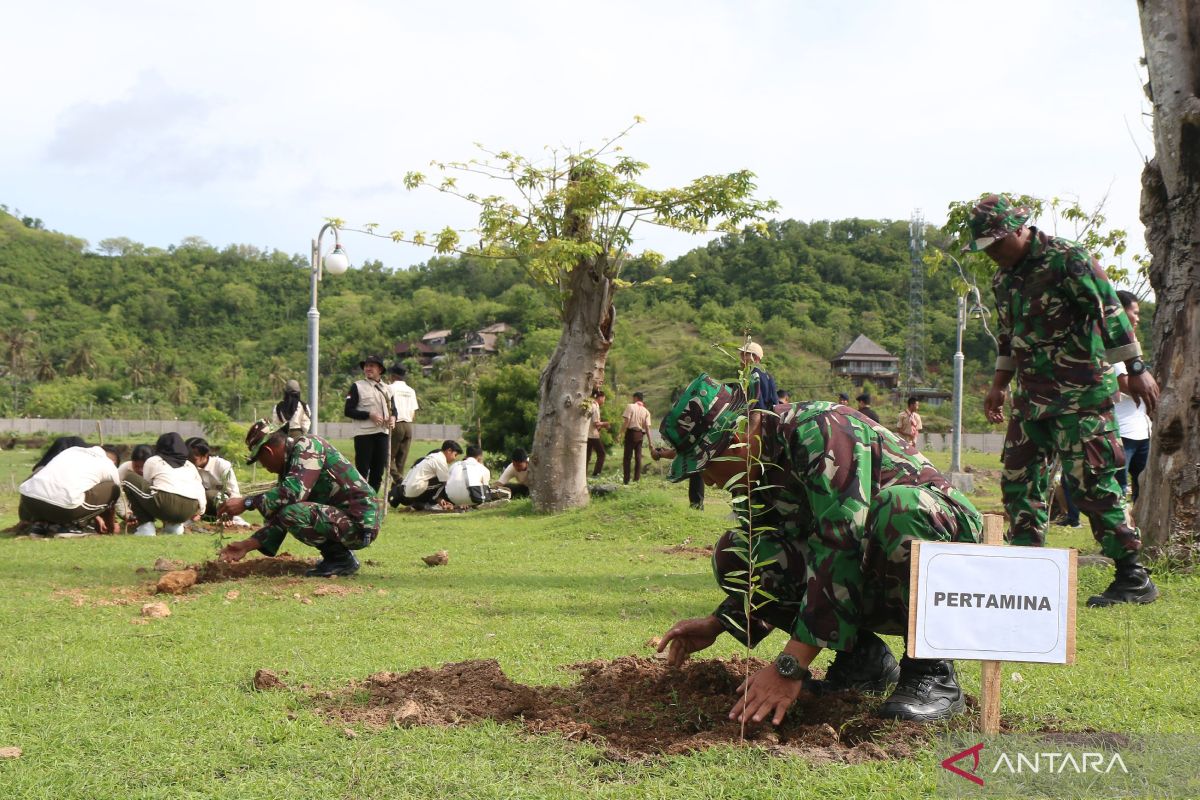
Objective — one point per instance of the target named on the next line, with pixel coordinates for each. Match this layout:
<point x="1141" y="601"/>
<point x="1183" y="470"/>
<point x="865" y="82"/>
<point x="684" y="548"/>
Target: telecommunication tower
<point x="914" y="355"/>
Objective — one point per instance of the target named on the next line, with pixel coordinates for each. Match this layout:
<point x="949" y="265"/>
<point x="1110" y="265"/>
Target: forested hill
<point x="135" y="330"/>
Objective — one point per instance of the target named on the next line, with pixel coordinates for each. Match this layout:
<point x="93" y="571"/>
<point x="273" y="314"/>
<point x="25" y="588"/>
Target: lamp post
<point x="958" y="478"/>
<point x="335" y="263"/>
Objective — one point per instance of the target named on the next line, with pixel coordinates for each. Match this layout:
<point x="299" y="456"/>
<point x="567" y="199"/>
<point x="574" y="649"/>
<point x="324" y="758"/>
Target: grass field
<point x="103" y="708"/>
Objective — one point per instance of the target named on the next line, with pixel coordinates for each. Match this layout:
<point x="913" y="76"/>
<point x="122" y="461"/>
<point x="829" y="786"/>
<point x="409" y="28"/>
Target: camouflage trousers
<point x="316" y="525"/>
<point x="1091" y="451"/>
<point x="898" y="515"/>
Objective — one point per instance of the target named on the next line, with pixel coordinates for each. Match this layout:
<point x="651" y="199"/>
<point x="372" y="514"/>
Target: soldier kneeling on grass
<point x="837" y="502"/>
<point x="321" y="499"/>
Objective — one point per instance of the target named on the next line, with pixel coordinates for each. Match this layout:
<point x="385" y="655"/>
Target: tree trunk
<point x="558" y="463"/>
<point x="1170" y="488"/>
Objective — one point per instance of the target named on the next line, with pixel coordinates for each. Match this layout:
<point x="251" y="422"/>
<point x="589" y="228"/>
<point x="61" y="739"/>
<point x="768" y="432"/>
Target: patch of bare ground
<point x="632" y="707"/>
<point x="267" y="567"/>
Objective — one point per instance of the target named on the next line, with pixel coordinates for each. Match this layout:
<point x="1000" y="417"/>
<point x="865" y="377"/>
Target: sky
<point x="252" y="122"/>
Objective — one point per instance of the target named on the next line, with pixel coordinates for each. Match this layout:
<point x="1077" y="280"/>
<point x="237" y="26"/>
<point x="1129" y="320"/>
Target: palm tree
<point x="277" y="372"/>
<point x="83" y="360"/>
<point x="18" y="341"/>
<point x="181" y="391"/>
<point x="45" y="371"/>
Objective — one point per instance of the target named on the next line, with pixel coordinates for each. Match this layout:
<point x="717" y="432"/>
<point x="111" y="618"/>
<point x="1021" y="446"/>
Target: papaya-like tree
<point x="569" y="221"/>
<point x="1169" y="503"/>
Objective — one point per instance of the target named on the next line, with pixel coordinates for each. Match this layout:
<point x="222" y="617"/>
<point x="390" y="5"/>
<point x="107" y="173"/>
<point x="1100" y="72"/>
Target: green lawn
<point x="104" y="708"/>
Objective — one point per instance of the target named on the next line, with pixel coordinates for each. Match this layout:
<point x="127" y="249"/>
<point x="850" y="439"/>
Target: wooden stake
<point x="993" y="533"/>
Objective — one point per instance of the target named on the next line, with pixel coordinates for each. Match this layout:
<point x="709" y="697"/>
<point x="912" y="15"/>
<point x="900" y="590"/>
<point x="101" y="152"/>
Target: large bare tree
<point x="568" y="220"/>
<point x="1167" y="505"/>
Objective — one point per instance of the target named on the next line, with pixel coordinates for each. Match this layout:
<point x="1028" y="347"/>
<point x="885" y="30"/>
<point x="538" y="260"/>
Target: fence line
<point x="120" y="428"/>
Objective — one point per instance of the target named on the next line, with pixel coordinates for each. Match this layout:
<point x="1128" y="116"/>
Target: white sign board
<point x="992" y="603"/>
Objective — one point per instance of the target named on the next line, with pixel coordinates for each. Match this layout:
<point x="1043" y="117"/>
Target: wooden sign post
<point x="989" y="690"/>
<point x="992" y="603"/>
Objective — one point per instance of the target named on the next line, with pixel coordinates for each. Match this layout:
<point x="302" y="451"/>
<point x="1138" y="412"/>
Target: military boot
<point x="1131" y="585"/>
<point x="869" y="667"/>
<point x="927" y="691"/>
<point x="335" y="560"/>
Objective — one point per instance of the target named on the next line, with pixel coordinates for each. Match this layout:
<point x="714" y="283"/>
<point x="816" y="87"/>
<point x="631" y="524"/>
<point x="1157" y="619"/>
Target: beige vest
<point x="374" y="398"/>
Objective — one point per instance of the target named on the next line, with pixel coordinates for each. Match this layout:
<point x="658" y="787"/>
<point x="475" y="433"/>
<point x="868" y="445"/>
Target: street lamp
<point x="335" y="263"/>
<point x="975" y="311"/>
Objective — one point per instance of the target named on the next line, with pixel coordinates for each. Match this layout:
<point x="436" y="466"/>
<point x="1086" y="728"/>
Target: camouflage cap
<point x="701" y="423"/>
<point x="993" y="218"/>
<point x="258" y="435"/>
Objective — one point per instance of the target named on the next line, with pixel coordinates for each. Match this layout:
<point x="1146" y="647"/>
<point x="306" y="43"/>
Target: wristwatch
<point x="789" y="667"/>
<point x="1136" y="366"/>
<point x="249" y="502"/>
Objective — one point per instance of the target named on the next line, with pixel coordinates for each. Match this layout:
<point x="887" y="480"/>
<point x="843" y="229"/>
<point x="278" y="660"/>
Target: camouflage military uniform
<point x="835" y="511"/>
<point x="320" y="498"/>
<point x="1061" y="325"/>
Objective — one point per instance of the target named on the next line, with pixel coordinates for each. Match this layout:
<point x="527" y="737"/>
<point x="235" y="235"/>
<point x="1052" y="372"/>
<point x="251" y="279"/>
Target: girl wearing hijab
<point x="169" y="488"/>
<point x="292" y="411"/>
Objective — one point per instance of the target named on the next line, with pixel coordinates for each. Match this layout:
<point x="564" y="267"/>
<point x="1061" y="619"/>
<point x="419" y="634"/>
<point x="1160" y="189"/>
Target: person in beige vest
<point x="369" y="403"/>
<point x="635" y="427"/>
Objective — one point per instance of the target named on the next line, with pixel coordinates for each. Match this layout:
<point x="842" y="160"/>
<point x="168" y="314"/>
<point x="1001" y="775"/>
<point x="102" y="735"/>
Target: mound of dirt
<point x="267" y="567"/>
<point x="176" y="581"/>
<point x="633" y="707"/>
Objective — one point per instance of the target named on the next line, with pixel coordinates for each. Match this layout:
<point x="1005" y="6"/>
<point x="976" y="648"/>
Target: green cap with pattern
<point x="993" y="218"/>
<point x="701" y="423"/>
<point x="258" y="435"/>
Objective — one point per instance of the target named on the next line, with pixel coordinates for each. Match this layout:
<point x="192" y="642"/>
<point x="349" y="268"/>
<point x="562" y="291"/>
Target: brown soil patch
<point x="117" y="596"/>
<point x="267" y="567"/>
<point x="632" y="707"/>
<point x="266" y="680"/>
<point x="688" y="550"/>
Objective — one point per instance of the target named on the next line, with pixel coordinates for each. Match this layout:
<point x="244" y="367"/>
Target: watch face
<point x="787" y="665"/>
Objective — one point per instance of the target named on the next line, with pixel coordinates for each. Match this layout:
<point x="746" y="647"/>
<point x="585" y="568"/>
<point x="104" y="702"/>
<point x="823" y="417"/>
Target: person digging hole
<point x="837" y="503"/>
<point x="321" y="499"/>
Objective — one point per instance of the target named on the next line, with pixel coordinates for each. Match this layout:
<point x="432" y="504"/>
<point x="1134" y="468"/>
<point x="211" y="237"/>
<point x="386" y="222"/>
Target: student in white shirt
<point x="216" y="473"/>
<point x="1132" y="419"/>
<point x="169" y="488"/>
<point x="404" y="402"/>
<point x="77" y="487"/>
<point x="424" y="484"/>
<point x="469" y="479"/>
<point x="515" y="477"/>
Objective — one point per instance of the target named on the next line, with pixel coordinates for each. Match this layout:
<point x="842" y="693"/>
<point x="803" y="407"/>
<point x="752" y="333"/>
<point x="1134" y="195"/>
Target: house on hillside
<point x="431" y="347"/>
<point x="485" y="341"/>
<point x="864" y="360"/>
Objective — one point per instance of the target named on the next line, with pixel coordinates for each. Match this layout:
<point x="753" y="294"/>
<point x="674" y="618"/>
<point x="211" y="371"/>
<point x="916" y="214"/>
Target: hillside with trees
<point x="129" y="331"/>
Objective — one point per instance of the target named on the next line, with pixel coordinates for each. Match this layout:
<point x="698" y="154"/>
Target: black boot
<point x="927" y="691"/>
<point x="1131" y="585"/>
<point x="335" y="560"/>
<point x="869" y="667"/>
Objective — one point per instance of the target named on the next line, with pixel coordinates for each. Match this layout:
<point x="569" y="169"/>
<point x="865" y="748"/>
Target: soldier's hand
<point x="993" y="404"/>
<point x="232" y="507"/>
<point x="689" y="636"/>
<point x="764" y="693"/>
<point x="236" y="551"/>
<point x="1144" y="389"/>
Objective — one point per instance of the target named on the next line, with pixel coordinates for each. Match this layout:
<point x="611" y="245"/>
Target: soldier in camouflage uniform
<point x="321" y="499"/>
<point x="836" y="502"/>
<point x="1061" y="326"/>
